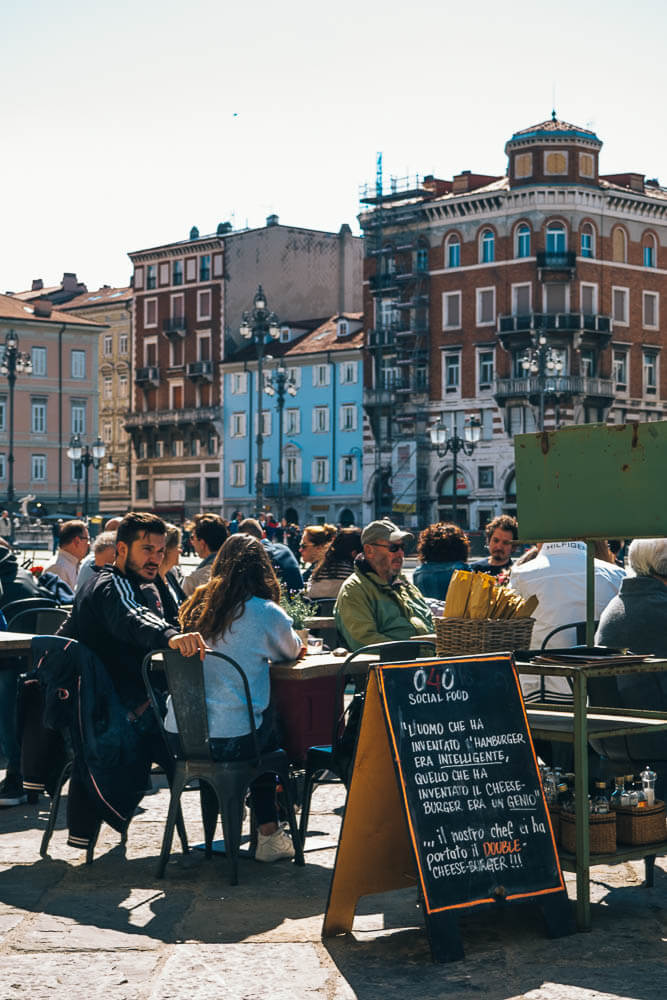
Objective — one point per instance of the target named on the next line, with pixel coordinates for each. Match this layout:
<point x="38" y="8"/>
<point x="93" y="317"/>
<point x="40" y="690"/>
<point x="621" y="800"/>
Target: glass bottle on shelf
<point x="626" y="797"/>
<point x="648" y="784"/>
<point x="619" y="791"/>
<point x="633" y="795"/>
<point x="600" y="800"/>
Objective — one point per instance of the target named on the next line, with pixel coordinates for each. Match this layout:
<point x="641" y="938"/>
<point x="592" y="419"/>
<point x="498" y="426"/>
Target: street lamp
<point x="541" y="361"/>
<point x="256" y="325"/>
<point x="467" y="444"/>
<point x="85" y="456"/>
<point x="278" y="384"/>
<point x="14" y="362"/>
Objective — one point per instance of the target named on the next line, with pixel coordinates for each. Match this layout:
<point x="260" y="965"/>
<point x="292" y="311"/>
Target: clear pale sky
<point x="125" y="124"/>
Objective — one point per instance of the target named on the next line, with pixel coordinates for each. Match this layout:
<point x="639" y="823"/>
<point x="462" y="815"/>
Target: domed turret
<point x="553" y="152"/>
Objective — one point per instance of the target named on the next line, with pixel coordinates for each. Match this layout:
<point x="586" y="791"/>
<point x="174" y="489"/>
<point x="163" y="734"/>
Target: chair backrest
<point x="14" y="608"/>
<point x="48" y="620"/>
<point x="579" y="626"/>
<point x="185" y="683"/>
<point x="325" y="606"/>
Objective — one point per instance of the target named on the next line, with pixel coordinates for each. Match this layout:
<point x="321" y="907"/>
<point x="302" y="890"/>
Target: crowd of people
<point x="130" y="595"/>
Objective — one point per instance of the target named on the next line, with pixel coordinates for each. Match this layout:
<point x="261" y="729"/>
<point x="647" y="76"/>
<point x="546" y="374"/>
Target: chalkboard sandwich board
<point x="444" y="745"/>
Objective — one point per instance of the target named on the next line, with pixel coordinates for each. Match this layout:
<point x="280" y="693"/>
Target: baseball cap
<point x="384" y="531"/>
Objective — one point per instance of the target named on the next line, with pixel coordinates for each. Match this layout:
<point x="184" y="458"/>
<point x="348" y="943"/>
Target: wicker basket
<point x="455" y="636"/>
<point x="602" y="830"/>
<point x="641" y="826"/>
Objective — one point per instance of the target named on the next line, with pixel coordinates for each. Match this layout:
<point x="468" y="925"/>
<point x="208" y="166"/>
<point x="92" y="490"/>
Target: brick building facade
<point x="523" y="301"/>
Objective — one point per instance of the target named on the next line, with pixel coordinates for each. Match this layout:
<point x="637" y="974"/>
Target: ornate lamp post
<point x="14" y="362"/>
<point x="467" y="444"/>
<point x="256" y="326"/>
<point x="541" y="361"/>
<point x="84" y="456"/>
<point x="279" y="384"/>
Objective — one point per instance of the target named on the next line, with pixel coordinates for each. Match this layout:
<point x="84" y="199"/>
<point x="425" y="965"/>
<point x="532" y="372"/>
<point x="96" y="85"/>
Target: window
<point x="266" y="423"/>
<point x="78" y="363"/>
<point x="486" y="306"/>
<point x="237" y="474"/>
<point x="122" y="385"/>
<point x="648" y="251"/>
<point x="38" y="355"/>
<point x="38" y="468"/>
<point x="191" y="269"/>
<point x="348" y="372"/>
<point x="3" y="413"/>
<point x="107" y="344"/>
<point x="486" y="373"/>
<point x="589" y="299"/>
<point x="320" y="470"/>
<point x="141" y="487"/>
<point x="320" y="375"/>
<point x="341" y="331"/>
<point x="239" y="383"/>
<point x="293" y="470"/>
<point x="521" y="299"/>
<point x="205" y="267"/>
<point x="177" y="272"/>
<point x="294" y="375"/>
<point x="620" y="369"/>
<point x="523" y="241"/>
<point x="78" y="416"/>
<point x="348" y="417"/>
<point x="485" y="477"/>
<point x="292" y="421"/>
<point x="347" y="472"/>
<point x="452" y="375"/>
<point x="3" y="466"/>
<point x="320" y="419"/>
<point x="38" y="416"/>
<point x="213" y="444"/>
<point x="451" y="310"/>
<point x="619" y="305"/>
<point x="204" y="304"/>
<point x="107" y="432"/>
<point x="453" y="252"/>
<point x="556" y="238"/>
<point x="650" y="369"/>
<point x="619" y="246"/>
<point x="650" y="310"/>
<point x="556" y="295"/>
<point x="138" y="278"/>
<point x="587" y="240"/>
<point x="487" y="247"/>
<point x="176" y="353"/>
<point x="122" y="343"/>
<point x="421" y="259"/>
<point x="238" y="425"/>
<point x="588" y="363"/>
<point x="107" y="387"/>
<point x="212" y="484"/>
<point x="204" y="347"/>
<point x="150" y="312"/>
<point x="151" y="276"/>
<point x="520" y="420"/>
<point x="159" y="448"/>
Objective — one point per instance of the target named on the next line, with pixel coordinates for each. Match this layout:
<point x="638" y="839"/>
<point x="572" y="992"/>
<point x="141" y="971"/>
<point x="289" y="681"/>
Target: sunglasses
<point x="394" y="547"/>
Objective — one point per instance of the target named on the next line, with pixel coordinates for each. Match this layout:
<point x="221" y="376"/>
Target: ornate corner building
<point x="528" y="301"/>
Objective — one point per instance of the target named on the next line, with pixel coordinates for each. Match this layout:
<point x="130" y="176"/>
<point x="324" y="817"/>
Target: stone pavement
<point x="113" y="930"/>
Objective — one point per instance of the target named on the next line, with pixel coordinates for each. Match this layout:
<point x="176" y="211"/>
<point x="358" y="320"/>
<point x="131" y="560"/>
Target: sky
<point x="125" y="124"/>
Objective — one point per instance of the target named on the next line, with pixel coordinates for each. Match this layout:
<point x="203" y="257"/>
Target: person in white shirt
<point x="557" y="577"/>
<point x="74" y="545"/>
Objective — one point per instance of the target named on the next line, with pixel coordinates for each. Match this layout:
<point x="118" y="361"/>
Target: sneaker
<point x="274" y="846"/>
<point x="11" y="791"/>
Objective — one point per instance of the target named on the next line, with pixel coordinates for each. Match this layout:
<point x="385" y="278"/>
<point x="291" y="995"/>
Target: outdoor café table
<point x="13" y="644"/>
<point x="576" y="724"/>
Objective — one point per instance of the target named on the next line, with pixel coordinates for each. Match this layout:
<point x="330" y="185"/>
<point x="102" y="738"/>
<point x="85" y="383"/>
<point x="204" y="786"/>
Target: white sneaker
<point x="274" y="846"/>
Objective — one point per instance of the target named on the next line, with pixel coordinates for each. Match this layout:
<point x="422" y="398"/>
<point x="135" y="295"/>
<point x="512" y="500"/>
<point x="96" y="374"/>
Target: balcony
<point x="590" y="329"/>
<point x="551" y="265"/>
<point x="173" y="418"/>
<point x="271" y="490"/>
<point x="147" y="377"/>
<point x="379" y="397"/>
<point x="383" y="337"/>
<point x="382" y="282"/>
<point x="529" y="387"/>
<point x="200" y="371"/>
<point x="175" y="326"/>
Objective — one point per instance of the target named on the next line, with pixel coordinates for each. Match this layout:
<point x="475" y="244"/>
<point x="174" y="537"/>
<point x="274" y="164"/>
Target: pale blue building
<point x="322" y="424"/>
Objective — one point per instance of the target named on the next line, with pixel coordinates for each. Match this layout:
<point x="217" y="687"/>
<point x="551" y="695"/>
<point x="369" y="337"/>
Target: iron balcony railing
<point x="147" y="376"/>
<point x="175" y="324"/>
<point x="562" y="385"/>
<point x="563" y="260"/>
<point x="174" y="418"/>
<point x="200" y="370"/>
<point x="570" y="322"/>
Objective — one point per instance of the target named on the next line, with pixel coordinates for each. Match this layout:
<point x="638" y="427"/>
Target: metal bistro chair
<point x="229" y="780"/>
<point x="12" y="610"/>
<point x="338" y="755"/>
<point x="39" y="621"/>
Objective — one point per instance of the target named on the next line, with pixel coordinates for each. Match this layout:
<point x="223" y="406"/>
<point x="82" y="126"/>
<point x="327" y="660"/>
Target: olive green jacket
<point x="368" y="610"/>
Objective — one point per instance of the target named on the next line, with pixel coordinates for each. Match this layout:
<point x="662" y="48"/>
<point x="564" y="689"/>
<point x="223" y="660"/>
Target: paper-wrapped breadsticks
<point x="479" y="595"/>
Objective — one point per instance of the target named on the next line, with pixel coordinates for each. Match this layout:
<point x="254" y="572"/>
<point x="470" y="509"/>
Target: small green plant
<point x="296" y="606"/>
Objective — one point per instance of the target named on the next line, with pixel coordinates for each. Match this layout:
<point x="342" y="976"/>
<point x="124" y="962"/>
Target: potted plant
<point x="299" y="609"/>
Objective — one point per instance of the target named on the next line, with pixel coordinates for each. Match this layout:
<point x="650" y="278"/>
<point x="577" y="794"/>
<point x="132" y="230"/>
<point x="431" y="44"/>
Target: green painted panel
<point x="592" y="481"/>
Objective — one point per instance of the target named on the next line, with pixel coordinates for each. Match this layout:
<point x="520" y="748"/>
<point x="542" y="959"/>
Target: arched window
<point x="488" y="247"/>
<point x="649" y="255"/>
<point x="453" y="252"/>
<point x="421" y="258"/>
<point x="523" y="240"/>
<point x="587" y="240"/>
<point x="556" y="238"/>
<point x="619" y="246"/>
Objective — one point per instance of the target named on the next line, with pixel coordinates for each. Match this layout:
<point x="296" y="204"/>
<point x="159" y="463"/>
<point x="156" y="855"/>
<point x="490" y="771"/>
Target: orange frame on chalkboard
<point x="379" y="670"/>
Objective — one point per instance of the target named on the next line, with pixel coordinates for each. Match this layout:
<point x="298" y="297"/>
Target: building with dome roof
<point x="517" y="302"/>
